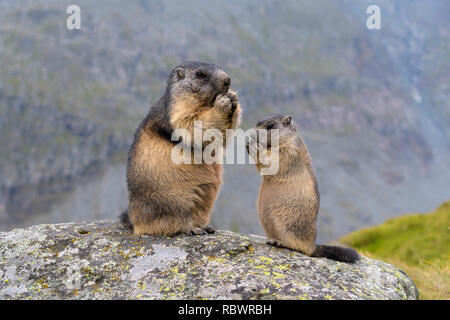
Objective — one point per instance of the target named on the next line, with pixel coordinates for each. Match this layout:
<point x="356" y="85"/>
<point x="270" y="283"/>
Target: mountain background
<point x="372" y="105"/>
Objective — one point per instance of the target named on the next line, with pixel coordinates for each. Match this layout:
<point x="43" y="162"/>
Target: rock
<point x="102" y="260"/>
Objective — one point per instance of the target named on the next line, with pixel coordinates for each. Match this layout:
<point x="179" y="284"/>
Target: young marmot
<point x="167" y="198"/>
<point x="288" y="201"/>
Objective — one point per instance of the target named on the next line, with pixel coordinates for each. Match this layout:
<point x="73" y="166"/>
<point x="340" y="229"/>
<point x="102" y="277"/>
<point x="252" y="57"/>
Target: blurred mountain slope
<point x="373" y="106"/>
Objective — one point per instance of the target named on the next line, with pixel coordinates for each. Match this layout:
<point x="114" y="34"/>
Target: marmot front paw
<point x="227" y="103"/>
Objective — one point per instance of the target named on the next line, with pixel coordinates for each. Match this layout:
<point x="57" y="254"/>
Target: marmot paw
<point x="195" y="232"/>
<point x="275" y="243"/>
<point x="227" y="103"/>
<point x="209" y="229"/>
<point x="234" y="100"/>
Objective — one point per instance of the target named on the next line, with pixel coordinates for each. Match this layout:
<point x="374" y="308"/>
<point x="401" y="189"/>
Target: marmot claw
<point x="274" y="243"/>
<point x="195" y="232"/>
<point x="209" y="229"/>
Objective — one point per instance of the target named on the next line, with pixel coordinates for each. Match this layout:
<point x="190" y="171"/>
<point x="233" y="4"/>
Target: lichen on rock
<point x="102" y="260"/>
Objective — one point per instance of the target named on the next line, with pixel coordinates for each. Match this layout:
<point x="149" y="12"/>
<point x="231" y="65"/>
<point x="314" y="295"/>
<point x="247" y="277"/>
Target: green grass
<point x="419" y="244"/>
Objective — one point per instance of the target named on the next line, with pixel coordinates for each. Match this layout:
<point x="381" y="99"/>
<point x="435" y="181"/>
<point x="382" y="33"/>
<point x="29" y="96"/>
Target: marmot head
<point x="272" y="135"/>
<point x="201" y="81"/>
<point x="284" y="124"/>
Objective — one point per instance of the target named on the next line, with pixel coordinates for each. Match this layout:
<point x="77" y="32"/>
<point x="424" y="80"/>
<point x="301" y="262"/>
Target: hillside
<point x="417" y="243"/>
<point x="373" y="107"/>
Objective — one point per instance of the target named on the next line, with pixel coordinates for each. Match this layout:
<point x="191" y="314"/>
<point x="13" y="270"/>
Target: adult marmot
<point x="166" y="198"/>
<point x="288" y="201"/>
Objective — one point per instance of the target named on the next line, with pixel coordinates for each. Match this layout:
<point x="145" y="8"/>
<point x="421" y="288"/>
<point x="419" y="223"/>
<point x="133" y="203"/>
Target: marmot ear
<point x="286" y="120"/>
<point x="180" y="73"/>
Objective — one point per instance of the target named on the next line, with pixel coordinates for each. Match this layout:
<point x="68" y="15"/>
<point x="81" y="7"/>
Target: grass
<point x="419" y="244"/>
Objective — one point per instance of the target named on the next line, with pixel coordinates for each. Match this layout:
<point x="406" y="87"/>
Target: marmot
<point x="288" y="201"/>
<point x="166" y="198"/>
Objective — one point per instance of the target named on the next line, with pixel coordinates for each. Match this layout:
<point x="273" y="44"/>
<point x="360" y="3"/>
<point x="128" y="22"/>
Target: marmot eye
<point x="200" y="74"/>
<point x="270" y="126"/>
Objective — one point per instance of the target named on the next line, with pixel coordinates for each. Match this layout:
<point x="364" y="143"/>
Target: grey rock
<point x="102" y="260"/>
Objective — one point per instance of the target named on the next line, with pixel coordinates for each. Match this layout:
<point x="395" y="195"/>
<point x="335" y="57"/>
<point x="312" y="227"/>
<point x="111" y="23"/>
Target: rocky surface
<point x="101" y="260"/>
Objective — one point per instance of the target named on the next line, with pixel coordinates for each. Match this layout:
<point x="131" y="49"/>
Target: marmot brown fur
<point x="288" y="201"/>
<point x="166" y="198"/>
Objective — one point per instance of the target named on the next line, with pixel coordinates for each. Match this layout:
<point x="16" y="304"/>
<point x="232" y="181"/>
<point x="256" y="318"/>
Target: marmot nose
<point x="223" y="80"/>
<point x="227" y="81"/>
